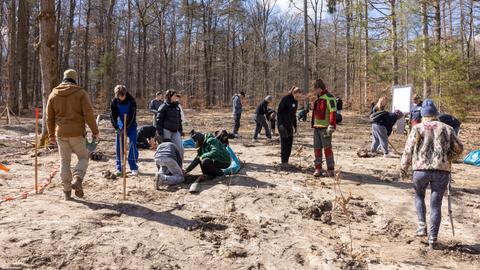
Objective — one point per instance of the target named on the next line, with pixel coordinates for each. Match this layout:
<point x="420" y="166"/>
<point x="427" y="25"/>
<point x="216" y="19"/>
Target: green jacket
<point x="212" y="148"/>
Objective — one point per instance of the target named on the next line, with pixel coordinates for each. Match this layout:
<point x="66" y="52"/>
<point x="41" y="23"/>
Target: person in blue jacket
<point x="124" y="104"/>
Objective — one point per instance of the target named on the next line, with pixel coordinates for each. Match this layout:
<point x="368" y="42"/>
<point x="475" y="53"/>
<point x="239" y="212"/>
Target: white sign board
<point x="402" y="98"/>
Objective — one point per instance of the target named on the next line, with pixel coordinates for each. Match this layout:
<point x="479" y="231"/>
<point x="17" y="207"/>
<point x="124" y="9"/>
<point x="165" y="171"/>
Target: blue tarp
<point x="473" y="158"/>
<point x="235" y="166"/>
<point x="188" y="143"/>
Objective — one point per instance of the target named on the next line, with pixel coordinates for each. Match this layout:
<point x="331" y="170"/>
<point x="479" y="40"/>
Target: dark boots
<point x="77" y="186"/>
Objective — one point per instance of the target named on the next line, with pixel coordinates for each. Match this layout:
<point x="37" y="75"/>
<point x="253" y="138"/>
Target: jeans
<point x="212" y="168"/>
<point x="286" y="142"/>
<point x="170" y="169"/>
<point x="67" y="146"/>
<point x="379" y="138"/>
<point x="236" y="124"/>
<point x="322" y="141"/>
<point x="438" y="181"/>
<point x="261" y="121"/>
<point x="132" y="149"/>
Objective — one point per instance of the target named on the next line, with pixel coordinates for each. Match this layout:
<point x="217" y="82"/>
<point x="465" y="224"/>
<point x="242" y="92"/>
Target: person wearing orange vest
<point x="324" y="124"/>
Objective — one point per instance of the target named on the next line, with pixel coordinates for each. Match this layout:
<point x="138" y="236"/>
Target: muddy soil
<point x="262" y="218"/>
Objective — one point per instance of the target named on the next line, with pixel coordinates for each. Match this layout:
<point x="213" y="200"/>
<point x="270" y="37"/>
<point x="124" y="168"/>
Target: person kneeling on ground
<point x="146" y="137"/>
<point x="430" y="148"/>
<point x="169" y="162"/>
<point x="382" y="125"/>
<point x="211" y="155"/>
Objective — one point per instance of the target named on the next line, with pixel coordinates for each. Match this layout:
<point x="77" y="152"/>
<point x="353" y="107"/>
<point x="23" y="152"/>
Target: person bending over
<point x="169" y="162"/>
<point x="212" y="156"/>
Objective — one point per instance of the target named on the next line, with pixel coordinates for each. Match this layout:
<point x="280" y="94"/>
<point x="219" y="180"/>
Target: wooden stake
<point x="124" y="167"/>
<point x="36" y="150"/>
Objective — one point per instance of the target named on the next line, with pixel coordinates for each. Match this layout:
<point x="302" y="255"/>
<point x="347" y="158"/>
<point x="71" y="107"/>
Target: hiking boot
<point x="318" y="173"/>
<point x="134" y="172"/>
<point x="432" y="243"/>
<point x="77" y="186"/>
<point x="330" y="173"/>
<point x="284" y="166"/>
<point x="119" y="174"/>
<point x="388" y="155"/>
<point x="67" y="195"/>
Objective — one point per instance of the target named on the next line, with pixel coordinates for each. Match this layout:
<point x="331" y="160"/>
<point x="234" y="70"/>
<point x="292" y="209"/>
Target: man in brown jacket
<point x="68" y="109"/>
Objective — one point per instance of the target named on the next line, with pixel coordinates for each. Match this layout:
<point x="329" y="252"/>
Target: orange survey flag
<point x="4" y="168"/>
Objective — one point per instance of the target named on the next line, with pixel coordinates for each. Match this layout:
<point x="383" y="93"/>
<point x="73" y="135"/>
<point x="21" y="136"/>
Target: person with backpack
<point x="260" y="118"/>
<point x="323" y="124"/>
<point x="430" y="148"/>
<point x="237" y="106"/>
<point x="68" y="110"/>
<point x="124" y="104"/>
<point x="287" y="122"/>
<point x="382" y="126"/>
<point x="169" y="122"/>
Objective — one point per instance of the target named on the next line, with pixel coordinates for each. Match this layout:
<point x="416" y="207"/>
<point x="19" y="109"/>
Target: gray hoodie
<point x="168" y="149"/>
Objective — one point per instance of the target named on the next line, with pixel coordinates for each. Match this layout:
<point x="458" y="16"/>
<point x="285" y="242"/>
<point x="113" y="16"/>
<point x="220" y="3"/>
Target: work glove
<point x="330" y="130"/>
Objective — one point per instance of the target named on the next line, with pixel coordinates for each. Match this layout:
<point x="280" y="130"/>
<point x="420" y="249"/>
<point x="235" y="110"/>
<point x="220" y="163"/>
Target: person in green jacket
<point x="212" y="156"/>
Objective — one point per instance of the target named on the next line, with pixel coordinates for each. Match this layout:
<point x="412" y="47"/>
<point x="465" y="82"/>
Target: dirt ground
<point x="262" y="218"/>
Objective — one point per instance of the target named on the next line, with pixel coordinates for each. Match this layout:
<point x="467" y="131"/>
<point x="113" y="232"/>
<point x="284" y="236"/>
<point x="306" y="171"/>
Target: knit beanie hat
<point x="198" y="137"/>
<point x="269" y="98"/>
<point x="428" y="108"/>
<point x="70" y="74"/>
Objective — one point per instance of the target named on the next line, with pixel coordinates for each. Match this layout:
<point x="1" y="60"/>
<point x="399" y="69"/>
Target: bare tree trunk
<point x="12" y="58"/>
<point x="462" y="26"/>
<point x="108" y="56"/>
<point x="305" y="47"/>
<point x="2" y="14"/>
<point x="86" y="42"/>
<point x="425" y="48"/>
<point x="438" y="40"/>
<point x="23" y="53"/>
<point x="59" y="48"/>
<point x="394" y="45"/>
<point x="48" y="60"/>
<point x="68" y="36"/>
<point x="128" y="47"/>
<point x="365" y="54"/>
<point x="348" y="13"/>
<point x="470" y="37"/>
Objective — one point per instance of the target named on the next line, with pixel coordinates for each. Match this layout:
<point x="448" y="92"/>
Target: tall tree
<point x="68" y="36"/>
<point x="425" y="49"/>
<point x="48" y="60"/>
<point x="23" y="52"/>
<point x="394" y="40"/>
<point x="12" y="57"/>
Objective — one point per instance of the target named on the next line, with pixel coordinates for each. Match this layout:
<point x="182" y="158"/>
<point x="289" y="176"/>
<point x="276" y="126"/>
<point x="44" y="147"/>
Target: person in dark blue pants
<point x="124" y="104"/>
